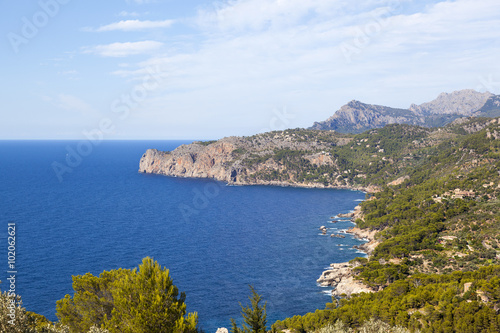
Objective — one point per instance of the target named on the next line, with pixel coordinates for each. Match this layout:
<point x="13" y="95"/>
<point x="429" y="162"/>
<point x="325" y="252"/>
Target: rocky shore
<point x="368" y="235"/>
<point x="341" y="275"/>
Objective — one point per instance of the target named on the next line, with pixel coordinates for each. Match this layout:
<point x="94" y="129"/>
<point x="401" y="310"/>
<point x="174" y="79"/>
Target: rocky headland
<point x="308" y="158"/>
<point x="250" y="160"/>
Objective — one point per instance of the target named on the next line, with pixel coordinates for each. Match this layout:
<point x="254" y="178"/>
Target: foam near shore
<point x="341" y="275"/>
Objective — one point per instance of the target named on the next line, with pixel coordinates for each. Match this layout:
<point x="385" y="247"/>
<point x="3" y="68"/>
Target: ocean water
<point x="215" y="239"/>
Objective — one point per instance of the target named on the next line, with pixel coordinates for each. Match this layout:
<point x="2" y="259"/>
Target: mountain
<point x="463" y="102"/>
<point x="357" y="117"/>
<point x="491" y="108"/>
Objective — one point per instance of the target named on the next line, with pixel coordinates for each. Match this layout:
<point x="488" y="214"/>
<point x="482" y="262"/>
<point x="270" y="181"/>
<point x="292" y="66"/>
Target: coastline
<point x="341" y="275"/>
<point x="365" y="189"/>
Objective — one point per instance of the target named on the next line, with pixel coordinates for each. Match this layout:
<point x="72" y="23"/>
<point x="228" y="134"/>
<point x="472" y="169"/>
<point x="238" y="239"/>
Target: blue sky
<point x="170" y="69"/>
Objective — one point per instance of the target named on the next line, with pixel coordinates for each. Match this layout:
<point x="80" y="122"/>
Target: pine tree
<point x="144" y="300"/>
<point x="254" y="315"/>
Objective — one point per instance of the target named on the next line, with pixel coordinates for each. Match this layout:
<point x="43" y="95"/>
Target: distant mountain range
<point x="357" y="117"/>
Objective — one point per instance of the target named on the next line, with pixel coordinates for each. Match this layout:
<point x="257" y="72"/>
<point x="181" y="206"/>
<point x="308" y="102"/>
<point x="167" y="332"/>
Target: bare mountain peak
<point x="462" y="102"/>
<point x="354" y="103"/>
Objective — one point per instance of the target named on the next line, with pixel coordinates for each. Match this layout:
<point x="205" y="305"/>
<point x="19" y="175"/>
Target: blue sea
<point x="101" y="214"/>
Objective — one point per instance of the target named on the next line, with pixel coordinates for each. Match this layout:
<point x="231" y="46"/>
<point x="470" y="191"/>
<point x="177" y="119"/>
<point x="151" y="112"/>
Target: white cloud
<point x="124" y="13"/>
<point x="259" y="54"/>
<point x="70" y="74"/>
<point x="249" y="57"/>
<point x="132" y="25"/>
<point x="260" y="15"/>
<point x="124" y="49"/>
<point x="72" y="103"/>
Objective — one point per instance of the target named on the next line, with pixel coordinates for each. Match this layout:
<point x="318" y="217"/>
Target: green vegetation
<point x="254" y="316"/>
<point x="455" y="302"/>
<point x="356" y="160"/>
<point x="205" y="143"/>
<point x="371" y="326"/>
<point x="375" y="157"/>
<point x="122" y="300"/>
<point x="15" y="319"/>
<point x="442" y="215"/>
<point x="144" y="300"/>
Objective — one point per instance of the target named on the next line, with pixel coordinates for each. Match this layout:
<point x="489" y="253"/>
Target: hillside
<point x="313" y="158"/>
<point x="357" y="117"/>
<point x="434" y="206"/>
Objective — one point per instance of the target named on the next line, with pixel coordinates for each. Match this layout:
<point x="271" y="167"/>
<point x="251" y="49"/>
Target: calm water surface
<point x="215" y="239"/>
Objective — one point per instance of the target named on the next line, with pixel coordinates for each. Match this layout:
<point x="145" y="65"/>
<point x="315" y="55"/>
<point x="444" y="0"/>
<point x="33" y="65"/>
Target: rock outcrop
<point x="365" y="234"/>
<point x="341" y="277"/>
<point x="320" y="159"/>
<point x="398" y="181"/>
<point x="335" y="274"/>
<point x="348" y="286"/>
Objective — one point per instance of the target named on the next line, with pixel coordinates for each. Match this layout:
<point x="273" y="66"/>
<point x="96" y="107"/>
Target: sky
<point x="193" y="69"/>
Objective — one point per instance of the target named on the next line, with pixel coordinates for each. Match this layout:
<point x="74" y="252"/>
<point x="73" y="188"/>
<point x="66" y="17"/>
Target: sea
<point x="81" y="206"/>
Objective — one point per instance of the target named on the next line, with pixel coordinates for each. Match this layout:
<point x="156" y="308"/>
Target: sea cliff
<point x="252" y="161"/>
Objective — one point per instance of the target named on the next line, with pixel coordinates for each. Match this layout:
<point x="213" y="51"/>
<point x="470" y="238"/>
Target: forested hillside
<point x="440" y="217"/>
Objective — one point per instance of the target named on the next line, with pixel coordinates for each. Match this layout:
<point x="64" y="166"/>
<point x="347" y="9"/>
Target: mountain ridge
<point x="357" y="117"/>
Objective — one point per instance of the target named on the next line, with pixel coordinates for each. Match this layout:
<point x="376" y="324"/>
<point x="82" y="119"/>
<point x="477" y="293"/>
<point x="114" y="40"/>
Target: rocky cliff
<point x="194" y="160"/>
<point x="259" y="159"/>
<point x="491" y="108"/>
<point x="342" y="275"/>
<point x="356" y="117"/>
